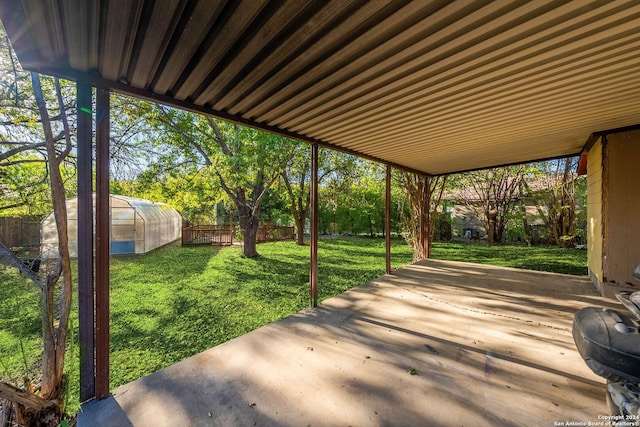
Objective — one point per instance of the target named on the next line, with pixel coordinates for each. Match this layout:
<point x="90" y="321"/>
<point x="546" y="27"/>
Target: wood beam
<point x="313" y="273"/>
<point x="102" y="243"/>
<point x="86" y="302"/>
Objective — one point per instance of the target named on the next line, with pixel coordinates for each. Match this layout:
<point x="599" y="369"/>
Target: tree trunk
<point x="562" y="205"/>
<point x="19" y="407"/>
<point x="424" y="197"/>
<point x="55" y="330"/>
<point x="491" y="226"/>
<point x="422" y="245"/>
<point x="299" y="223"/>
<point x="299" y="205"/>
<point x="499" y="230"/>
<point x="249" y="227"/>
<point x="249" y="249"/>
<point x="523" y="215"/>
<point x="568" y="206"/>
<point x="299" y="213"/>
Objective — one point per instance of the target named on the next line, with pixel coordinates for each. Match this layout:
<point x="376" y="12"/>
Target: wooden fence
<point x="207" y="235"/>
<point x="222" y="235"/>
<point x="20" y="231"/>
<point x="274" y="233"/>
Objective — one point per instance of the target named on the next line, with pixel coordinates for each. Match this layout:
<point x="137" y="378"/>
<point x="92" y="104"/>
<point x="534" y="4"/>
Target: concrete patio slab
<point x="435" y="344"/>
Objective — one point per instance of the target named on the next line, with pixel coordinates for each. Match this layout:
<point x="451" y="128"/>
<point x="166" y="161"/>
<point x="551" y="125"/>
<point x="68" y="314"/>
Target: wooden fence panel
<point x="223" y="234"/>
<point x="20" y="231"/>
<point x="274" y="233"/>
<point x="207" y="235"/>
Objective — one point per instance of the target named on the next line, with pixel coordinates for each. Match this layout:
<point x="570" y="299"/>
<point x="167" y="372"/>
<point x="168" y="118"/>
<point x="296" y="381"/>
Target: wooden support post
<point x="102" y="243"/>
<point x="387" y="220"/>
<point x="86" y="301"/>
<point x="313" y="273"/>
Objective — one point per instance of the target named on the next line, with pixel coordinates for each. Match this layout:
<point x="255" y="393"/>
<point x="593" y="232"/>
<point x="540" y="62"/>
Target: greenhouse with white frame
<point x="137" y="226"/>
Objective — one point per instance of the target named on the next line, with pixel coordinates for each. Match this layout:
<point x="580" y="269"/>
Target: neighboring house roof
<point x="538" y="184"/>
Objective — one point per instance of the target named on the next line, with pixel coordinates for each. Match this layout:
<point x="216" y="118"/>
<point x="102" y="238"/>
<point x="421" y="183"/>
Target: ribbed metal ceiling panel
<point x="433" y="86"/>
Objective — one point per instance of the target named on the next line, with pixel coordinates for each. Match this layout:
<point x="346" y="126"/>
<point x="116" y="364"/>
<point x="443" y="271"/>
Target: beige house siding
<point x="622" y="209"/>
<point x="613" y="211"/>
<point x="594" y="213"/>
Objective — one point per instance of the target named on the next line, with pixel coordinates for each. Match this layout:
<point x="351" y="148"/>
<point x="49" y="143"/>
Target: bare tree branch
<point x="15" y="71"/>
<point x="219" y="137"/>
<point x="17" y="162"/>
<point x="15" y="261"/>
<point x="65" y="123"/>
<point x="23" y="121"/>
<point x="193" y="142"/>
<point x="17" y="150"/>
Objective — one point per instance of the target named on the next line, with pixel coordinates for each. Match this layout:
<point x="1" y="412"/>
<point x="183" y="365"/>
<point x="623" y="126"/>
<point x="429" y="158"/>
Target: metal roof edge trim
<point x="97" y="81"/>
<point x="504" y="165"/>
<point x="595" y="135"/>
<point x="618" y="130"/>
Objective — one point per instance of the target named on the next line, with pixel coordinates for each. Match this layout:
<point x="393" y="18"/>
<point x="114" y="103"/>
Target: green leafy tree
<point x="192" y="192"/>
<point x="494" y="193"/>
<point x="24" y="188"/>
<point x="556" y="195"/>
<point x="296" y="178"/>
<point x="352" y="197"/>
<point x="368" y="195"/>
<point x="443" y="227"/>
<point x="245" y="162"/>
<point x="133" y="149"/>
<point x="24" y="171"/>
<point x="275" y="208"/>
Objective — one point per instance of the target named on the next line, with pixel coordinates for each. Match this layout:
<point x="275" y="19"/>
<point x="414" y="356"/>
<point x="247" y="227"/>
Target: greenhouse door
<point x="123" y="229"/>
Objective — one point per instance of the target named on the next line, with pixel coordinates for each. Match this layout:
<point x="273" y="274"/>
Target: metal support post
<point x="86" y="301"/>
<point x="313" y="274"/>
<point x="387" y="220"/>
<point x="102" y="243"/>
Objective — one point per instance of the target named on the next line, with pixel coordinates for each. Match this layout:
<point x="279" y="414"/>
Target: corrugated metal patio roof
<point x="432" y="86"/>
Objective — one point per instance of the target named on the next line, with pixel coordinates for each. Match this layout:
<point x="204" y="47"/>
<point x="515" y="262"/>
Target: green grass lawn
<point x="178" y="301"/>
<point x="541" y="258"/>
